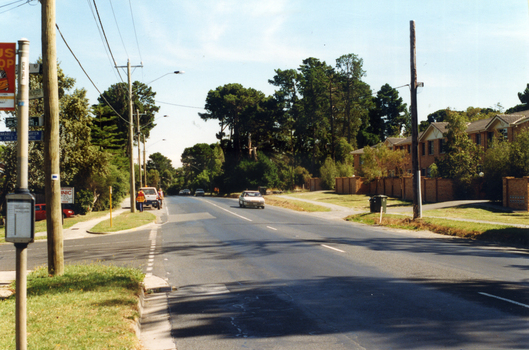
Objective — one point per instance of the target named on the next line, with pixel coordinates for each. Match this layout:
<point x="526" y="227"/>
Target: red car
<point x="40" y="212"/>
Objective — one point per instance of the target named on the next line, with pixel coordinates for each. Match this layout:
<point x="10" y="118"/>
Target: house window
<point x="423" y="172"/>
<point x="442" y="146"/>
<point x="478" y="139"/>
<point x="392" y="173"/>
<point x="423" y="148"/>
<point x="490" y="137"/>
<point x="429" y="172"/>
<point x="430" y="147"/>
<point x="503" y="132"/>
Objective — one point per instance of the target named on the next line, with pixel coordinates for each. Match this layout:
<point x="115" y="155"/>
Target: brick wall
<point x="515" y="193"/>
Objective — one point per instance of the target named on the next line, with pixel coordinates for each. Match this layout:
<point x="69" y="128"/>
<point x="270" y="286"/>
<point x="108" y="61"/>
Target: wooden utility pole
<point x="131" y="147"/>
<point x="417" y="202"/>
<point x="139" y="143"/>
<point x="144" y="163"/>
<point x="51" y="141"/>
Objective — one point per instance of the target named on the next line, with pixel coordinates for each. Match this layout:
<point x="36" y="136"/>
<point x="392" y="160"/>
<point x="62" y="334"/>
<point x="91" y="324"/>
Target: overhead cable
<point x="80" y="65"/>
<point x="106" y="39"/>
<point x="117" y="25"/>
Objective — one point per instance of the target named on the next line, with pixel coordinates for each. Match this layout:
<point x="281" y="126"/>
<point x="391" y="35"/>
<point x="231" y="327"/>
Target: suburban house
<point x="432" y="142"/>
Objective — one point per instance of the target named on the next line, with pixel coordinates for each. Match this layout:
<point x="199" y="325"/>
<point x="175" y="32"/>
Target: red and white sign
<point x="8" y="53"/>
<point x="67" y="195"/>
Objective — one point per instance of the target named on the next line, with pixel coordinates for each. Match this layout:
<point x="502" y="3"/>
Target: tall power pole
<point x="131" y="147"/>
<point x="139" y="144"/>
<point x="417" y="205"/>
<point x="51" y="141"/>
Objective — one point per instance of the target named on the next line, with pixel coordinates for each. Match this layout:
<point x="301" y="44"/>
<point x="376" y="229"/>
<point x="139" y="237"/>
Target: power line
<point x="174" y="104"/>
<point x="135" y="34"/>
<point x="15" y="2"/>
<point x="106" y="39"/>
<point x="117" y="25"/>
<point x="102" y="40"/>
<point x="88" y="76"/>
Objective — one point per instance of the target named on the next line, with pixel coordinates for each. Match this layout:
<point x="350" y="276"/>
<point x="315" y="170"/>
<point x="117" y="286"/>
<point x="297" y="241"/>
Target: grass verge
<point x="277" y="201"/>
<point x="475" y="212"/>
<point x="488" y="232"/>
<point x="356" y="201"/>
<point x="89" y="307"/>
<point x="125" y="221"/>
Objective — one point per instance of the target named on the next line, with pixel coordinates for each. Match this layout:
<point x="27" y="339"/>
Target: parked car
<point x="199" y="192"/>
<point x="151" y="197"/>
<point x="251" y="199"/>
<point x="186" y="192"/>
<point x="40" y="212"/>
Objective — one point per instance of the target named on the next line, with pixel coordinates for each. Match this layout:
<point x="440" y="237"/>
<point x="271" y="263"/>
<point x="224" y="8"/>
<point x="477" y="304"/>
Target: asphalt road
<point x="130" y="249"/>
<point x="276" y="279"/>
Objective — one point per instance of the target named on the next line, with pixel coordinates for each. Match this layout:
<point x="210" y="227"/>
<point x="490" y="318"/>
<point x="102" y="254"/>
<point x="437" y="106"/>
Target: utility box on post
<point x="378" y="202"/>
<point x="20" y="218"/>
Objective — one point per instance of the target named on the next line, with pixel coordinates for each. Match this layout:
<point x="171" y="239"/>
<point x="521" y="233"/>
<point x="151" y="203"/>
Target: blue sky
<point x="469" y="52"/>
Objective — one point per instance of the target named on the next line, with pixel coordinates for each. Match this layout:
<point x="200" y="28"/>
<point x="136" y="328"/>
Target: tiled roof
<point x="478" y="125"/>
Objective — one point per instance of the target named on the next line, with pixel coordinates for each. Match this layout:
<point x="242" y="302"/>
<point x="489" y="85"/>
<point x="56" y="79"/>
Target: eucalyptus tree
<point x="313" y="126"/>
<point x="356" y="96"/>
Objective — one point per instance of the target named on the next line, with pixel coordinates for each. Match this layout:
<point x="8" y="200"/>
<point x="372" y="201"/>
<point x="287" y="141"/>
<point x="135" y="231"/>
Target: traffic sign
<point x="33" y="121"/>
<point x="6" y="136"/>
<point x="36" y="94"/>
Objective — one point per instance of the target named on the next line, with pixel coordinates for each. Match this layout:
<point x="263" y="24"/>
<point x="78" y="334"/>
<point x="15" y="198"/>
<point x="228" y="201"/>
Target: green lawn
<point x="89" y="307"/>
<point x="481" y="213"/>
<point x="464" y="229"/>
<point x="357" y="201"/>
<point x="277" y="201"/>
<point x="125" y="221"/>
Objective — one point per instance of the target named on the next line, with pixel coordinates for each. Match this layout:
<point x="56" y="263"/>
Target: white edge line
<point x="271" y="228"/>
<point x="507" y="300"/>
<point x="338" y="250"/>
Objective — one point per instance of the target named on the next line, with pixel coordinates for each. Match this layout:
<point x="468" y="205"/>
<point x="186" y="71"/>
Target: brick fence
<point x="432" y="189"/>
<point x="515" y="193"/>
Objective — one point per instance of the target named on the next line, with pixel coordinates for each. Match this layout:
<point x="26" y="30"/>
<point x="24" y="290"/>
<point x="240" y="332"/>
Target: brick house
<point x="432" y="142"/>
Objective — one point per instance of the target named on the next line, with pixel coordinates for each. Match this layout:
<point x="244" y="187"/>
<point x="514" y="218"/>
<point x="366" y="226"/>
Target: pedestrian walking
<point x="140" y="199"/>
<point x="160" y="198"/>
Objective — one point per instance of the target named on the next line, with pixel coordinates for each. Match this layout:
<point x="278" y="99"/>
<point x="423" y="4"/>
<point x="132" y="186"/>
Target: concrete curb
<point x="154" y="326"/>
<point x="124" y="231"/>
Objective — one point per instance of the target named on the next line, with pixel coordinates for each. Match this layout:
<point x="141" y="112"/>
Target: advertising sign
<point x="67" y="195"/>
<point x="8" y="53"/>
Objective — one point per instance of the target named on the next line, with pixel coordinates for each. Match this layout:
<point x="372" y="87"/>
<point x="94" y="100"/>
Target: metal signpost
<point x="20" y="220"/>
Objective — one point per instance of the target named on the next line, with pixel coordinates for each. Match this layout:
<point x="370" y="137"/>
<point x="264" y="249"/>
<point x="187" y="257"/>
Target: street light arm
<point x="175" y="72"/>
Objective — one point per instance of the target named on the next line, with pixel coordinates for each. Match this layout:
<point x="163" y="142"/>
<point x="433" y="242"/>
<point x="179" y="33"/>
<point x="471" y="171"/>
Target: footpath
<point x="153" y="329"/>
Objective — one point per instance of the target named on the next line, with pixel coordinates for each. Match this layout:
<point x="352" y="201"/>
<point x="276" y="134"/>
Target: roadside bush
<point x="83" y="202"/>
<point x="328" y="174"/>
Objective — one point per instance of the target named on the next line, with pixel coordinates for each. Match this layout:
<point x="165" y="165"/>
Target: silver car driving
<point x="251" y="199"/>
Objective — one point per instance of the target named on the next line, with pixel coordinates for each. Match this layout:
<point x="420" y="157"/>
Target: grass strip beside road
<point x="125" y="221"/>
<point x="353" y="201"/>
<point x="89" y="307"/>
<point x="475" y="212"/>
<point x="464" y="229"/>
<point x="277" y="201"/>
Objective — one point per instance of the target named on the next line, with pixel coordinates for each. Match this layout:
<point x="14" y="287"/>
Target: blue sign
<point x="6" y="136"/>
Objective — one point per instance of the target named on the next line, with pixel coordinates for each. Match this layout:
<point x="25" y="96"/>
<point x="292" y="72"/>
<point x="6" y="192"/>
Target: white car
<point x="251" y="199"/>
